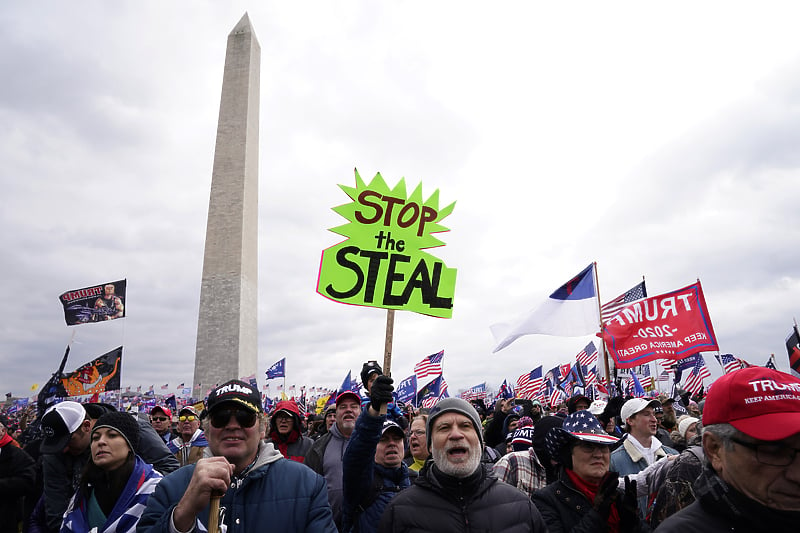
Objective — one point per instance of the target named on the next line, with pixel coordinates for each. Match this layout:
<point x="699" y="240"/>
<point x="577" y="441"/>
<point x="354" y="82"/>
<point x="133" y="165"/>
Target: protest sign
<point x="382" y="262"/>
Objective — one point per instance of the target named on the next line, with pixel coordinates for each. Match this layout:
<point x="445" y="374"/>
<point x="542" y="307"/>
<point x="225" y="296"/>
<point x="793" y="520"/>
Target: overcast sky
<point x="658" y="140"/>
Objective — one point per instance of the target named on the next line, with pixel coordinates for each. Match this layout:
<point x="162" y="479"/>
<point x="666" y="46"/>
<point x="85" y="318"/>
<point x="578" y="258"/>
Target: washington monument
<point x="227" y="335"/>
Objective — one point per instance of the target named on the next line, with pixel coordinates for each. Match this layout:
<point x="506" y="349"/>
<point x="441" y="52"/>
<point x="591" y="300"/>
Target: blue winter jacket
<point x="359" y="469"/>
<point x="277" y="495"/>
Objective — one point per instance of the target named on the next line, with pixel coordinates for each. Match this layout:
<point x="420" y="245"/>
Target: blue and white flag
<point x="407" y="389"/>
<point x="571" y="311"/>
<point x="505" y="391"/>
<point x="278" y="370"/>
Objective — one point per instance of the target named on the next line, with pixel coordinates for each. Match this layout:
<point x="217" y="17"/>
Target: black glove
<point x="606" y="494"/>
<point x="381" y="392"/>
<point x="628" y="508"/>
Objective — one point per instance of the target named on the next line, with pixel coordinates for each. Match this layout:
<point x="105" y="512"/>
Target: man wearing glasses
<point x="259" y="488"/>
<point x="161" y="420"/>
<point x="751" y="438"/>
<point x="190" y="443"/>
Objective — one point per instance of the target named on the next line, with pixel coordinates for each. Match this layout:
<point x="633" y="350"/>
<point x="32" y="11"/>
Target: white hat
<point x="684" y="424"/>
<point x="634" y="405"/>
<point x="597" y="407"/>
<point x="58" y="424"/>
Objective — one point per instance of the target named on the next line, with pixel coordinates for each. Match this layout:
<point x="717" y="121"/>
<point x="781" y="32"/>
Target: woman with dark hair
<point x="116" y="483"/>
<point x="586" y="497"/>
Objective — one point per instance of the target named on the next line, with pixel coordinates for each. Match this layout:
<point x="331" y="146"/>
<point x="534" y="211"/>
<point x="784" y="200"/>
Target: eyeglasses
<point x="770" y="454"/>
<point x="160" y="418"/>
<point x="220" y="418"/>
<point x="184" y="418"/>
<point x="417" y="432"/>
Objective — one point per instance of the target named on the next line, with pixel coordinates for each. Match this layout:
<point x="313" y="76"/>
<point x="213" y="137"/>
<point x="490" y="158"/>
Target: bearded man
<point x="456" y="492"/>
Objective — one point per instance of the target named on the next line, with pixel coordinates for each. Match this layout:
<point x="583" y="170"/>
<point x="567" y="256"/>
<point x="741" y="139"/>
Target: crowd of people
<point x="725" y="463"/>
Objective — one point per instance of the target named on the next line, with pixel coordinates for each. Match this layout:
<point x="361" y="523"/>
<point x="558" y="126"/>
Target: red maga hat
<point x="758" y="401"/>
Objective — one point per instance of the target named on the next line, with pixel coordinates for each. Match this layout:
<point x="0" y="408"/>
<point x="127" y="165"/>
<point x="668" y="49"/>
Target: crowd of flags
<point x="571" y="310"/>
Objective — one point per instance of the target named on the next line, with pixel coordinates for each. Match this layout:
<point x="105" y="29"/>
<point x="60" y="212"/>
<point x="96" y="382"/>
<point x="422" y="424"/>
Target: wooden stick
<point x="213" y="514"/>
<point x="387" y="352"/>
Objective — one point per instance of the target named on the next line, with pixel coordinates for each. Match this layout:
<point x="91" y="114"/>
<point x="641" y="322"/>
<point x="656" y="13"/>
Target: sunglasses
<point x="220" y="418"/>
<point x="190" y="418"/>
<point x="159" y="419"/>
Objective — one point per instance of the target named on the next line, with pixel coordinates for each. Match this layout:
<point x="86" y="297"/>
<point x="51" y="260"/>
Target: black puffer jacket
<point x="17" y="480"/>
<point x="438" y="502"/>
<point x="565" y="508"/>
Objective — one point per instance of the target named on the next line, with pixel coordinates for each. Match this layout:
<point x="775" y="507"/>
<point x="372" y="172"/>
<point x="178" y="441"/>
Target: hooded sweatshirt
<point x="293" y="446"/>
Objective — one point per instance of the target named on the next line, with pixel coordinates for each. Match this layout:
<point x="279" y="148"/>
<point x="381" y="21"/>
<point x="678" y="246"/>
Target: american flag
<point x="529" y="385"/>
<point x="165" y="386"/>
<point x="771" y="362"/>
<point x="590" y="376"/>
<point x="613" y="307"/>
<point x="431" y="393"/>
<point x="647" y="380"/>
<point x="699" y="372"/>
<point x="728" y="362"/>
<point x="429" y="368"/>
<point x="568" y="386"/>
<point x="669" y="365"/>
<point x="556" y="397"/>
<point x="587" y="356"/>
<point x="663" y="377"/>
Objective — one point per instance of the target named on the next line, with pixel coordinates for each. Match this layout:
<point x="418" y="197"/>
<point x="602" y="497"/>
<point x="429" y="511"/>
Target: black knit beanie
<point x="124" y="424"/>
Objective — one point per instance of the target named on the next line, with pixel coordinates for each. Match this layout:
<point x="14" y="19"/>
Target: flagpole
<point x="600" y="315"/>
<point x="387" y="349"/>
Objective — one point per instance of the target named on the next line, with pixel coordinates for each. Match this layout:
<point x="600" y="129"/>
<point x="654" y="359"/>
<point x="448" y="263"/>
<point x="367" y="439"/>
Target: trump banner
<point x="97" y="303"/>
<point x="669" y="326"/>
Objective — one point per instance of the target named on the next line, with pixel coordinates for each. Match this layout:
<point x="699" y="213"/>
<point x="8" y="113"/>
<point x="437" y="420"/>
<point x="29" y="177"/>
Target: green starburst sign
<point x="381" y="263"/>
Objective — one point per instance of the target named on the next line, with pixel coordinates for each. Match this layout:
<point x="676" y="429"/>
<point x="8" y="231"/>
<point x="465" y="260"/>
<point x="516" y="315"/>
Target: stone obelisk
<point x="227" y="332"/>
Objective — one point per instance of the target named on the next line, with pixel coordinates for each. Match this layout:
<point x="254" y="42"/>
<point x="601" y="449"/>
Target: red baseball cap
<point x="758" y="401"/>
<point x="164" y="410"/>
<point x="348" y="394"/>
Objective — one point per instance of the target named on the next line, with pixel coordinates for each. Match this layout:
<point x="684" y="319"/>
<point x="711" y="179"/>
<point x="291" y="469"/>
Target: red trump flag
<point x="669" y="326"/>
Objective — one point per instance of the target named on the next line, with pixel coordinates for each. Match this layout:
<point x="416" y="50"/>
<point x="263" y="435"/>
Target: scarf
<point x="417" y="465"/>
<point x="179" y="445"/>
<point x="590" y="491"/>
<point x="126" y="512"/>
<point x="284" y="442"/>
<point x="5" y="440"/>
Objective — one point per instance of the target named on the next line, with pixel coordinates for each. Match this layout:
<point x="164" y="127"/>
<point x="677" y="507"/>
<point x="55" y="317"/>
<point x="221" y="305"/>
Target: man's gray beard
<point x="457" y="469"/>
